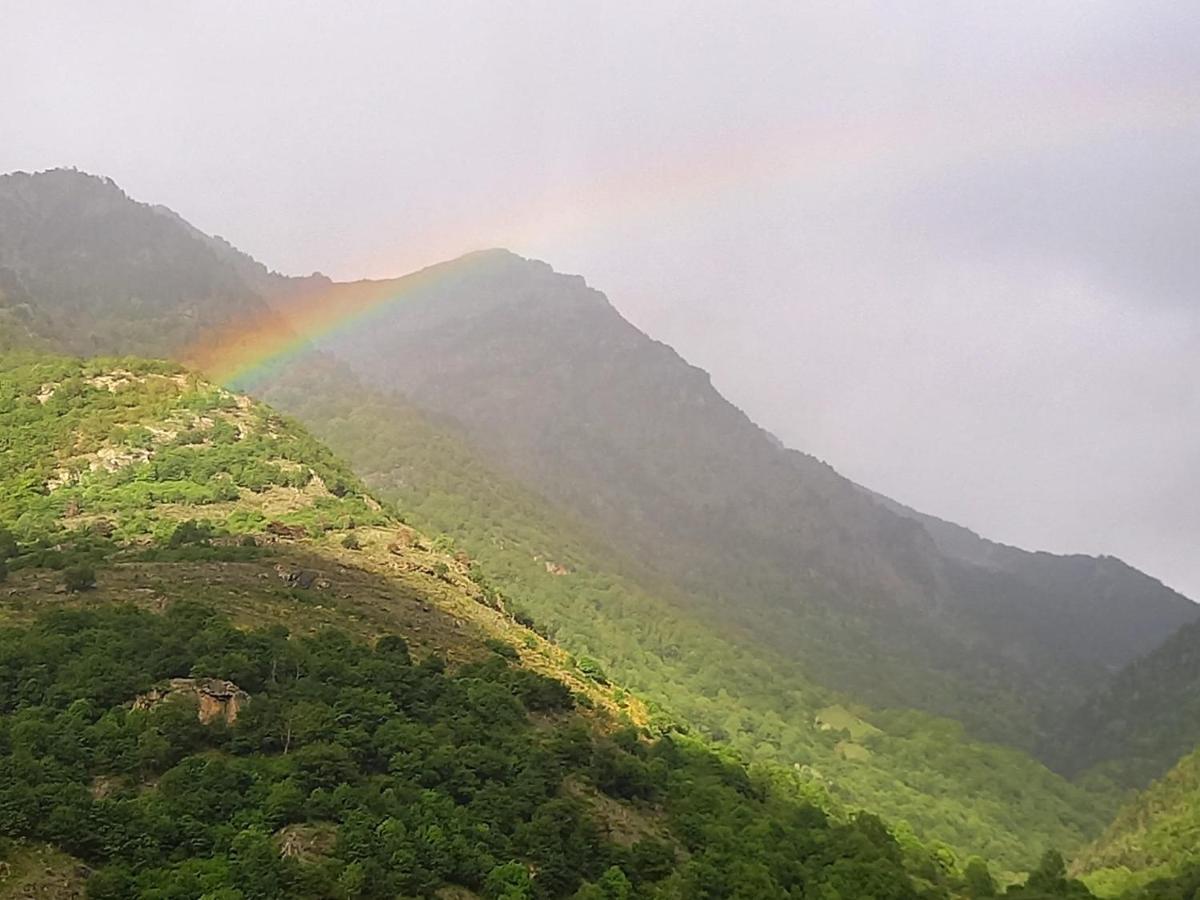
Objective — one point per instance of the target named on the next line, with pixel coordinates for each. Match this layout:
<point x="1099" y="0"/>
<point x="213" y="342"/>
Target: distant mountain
<point x="81" y="261"/>
<point x="1086" y="606"/>
<point x="1138" y="725"/>
<point x="553" y="386"/>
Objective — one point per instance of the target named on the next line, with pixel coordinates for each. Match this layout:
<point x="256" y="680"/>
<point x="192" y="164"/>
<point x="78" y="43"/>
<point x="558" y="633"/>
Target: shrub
<point x="592" y="670"/>
<point x="190" y="532"/>
<point x="502" y="648"/>
<point x="79" y="578"/>
<point x="350" y="542"/>
<point x="8" y="544"/>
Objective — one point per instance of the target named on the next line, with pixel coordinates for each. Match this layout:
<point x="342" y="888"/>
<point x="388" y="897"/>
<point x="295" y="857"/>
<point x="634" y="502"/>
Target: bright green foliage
<point x="428" y="778"/>
<point x="927" y="772"/>
<point x="978" y="879"/>
<point x="1156" y="836"/>
<point x="99" y="454"/>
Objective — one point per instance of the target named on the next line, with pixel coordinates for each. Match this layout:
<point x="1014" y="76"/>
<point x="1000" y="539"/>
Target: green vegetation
<point x="354" y="770"/>
<point x="385" y="777"/>
<point x="79" y="578"/>
<point x="762" y="545"/>
<point x="1156" y="837"/>
<point x="730" y="598"/>
<point x="112" y="452"/>
<point x="1142" y="723"/>
<point x="423" y="777"/>
<point x="922" y="773"/>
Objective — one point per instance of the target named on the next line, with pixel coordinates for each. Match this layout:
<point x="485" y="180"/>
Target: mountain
<point x="552" y="386"/>
<point x="1086" y="606"/>
<point x="1156" y="837"/>
<point x="907" y="766"/>
<point x="620" y="505"/>
<point x="120" y="274"/>
<point x="1142" y="722"/>
<point x="226" y="670"/>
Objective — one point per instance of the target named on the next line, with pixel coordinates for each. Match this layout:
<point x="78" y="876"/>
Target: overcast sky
<point x="953" y="249"/>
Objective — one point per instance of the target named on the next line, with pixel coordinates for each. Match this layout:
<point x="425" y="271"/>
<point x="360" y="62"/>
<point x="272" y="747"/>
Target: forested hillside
<point x="908" y="766"/>
<point x="1138" y="726"/>
<point x="552" y="386"/>
<point x="1155" y="838"/>
<point x="226" y="671"/>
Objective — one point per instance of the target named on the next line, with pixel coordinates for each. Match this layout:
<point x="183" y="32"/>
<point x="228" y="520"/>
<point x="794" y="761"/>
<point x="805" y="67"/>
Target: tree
<point x="1051" y="874"/>
<point x="978" y="878"/>
<point x="1050" y="879"/>
<point x="612" y="885"/>
<point x="510" y="881"/>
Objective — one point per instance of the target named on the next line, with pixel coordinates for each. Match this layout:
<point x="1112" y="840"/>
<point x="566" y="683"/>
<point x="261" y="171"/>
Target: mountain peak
<point x="63" y="182"/>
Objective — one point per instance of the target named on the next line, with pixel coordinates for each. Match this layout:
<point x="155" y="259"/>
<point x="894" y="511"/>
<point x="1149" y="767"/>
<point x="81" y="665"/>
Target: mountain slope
<point x="1089" y="607"/>
<point x="408" y="738"/>
<point x="551" y="385"/>
<point x="1139" y="725"/>
<point x="122" y="276"/>
<point x="1156" y="836"/>
<point x="723" y="613"/>
<point x="904" y="765"/>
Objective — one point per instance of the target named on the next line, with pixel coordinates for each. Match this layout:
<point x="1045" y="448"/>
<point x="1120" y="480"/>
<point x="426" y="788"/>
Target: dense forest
<point x="355" y="772"/>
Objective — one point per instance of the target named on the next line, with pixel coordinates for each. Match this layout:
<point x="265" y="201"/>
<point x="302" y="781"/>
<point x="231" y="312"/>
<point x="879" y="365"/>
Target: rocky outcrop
<point x="215" y="698"/>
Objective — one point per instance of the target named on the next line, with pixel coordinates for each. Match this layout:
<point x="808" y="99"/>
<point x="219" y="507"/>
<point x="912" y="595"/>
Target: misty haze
<point x="639" y="451"/>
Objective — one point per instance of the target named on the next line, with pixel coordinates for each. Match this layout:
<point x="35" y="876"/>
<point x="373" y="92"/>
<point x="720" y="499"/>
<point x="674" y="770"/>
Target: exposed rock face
<point x="301" y="578"/>
<point x="307" y="842"/>
<point x="216" y="699"/>
<point x="283" y="530"/>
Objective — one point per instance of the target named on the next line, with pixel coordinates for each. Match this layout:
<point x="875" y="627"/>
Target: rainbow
<point x="835" y="159"/>
<point x="249" y="351"/>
